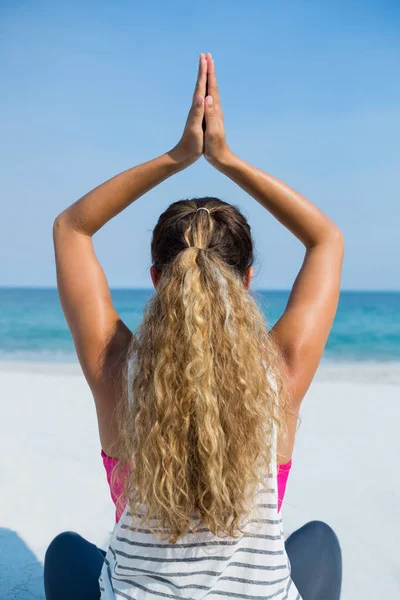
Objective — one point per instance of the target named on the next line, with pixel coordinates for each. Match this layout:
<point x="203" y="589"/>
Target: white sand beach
<point x="52" y="477"/>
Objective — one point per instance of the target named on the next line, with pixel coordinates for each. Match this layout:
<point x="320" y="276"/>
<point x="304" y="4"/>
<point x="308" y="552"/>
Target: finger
<point x="196" y="112"/>
<point x="212" y="80"/>
<point x="210" y="113"/>
<point x="200" y="89"/>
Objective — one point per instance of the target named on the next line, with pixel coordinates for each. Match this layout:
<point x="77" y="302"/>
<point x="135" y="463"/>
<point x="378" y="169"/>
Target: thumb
<point x="197" y="112"/>
<point x="209" y="108"/>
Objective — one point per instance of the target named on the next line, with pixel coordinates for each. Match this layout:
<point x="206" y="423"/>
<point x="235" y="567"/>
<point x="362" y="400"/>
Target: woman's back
<point x="138" y="564"/>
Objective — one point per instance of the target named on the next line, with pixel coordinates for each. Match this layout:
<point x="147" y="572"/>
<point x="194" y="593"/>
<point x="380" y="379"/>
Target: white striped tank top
<point x="253" y="566"/>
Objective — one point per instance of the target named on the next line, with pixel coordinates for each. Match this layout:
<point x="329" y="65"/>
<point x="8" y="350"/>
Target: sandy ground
<point x="344" y="472"/>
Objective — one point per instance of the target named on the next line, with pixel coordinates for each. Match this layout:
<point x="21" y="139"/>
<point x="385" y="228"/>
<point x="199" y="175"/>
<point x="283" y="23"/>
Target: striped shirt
<point x="253" y="566"/>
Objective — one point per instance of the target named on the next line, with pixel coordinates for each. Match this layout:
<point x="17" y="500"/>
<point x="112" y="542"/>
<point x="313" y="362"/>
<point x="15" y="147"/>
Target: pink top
<point x="110" y="463"/>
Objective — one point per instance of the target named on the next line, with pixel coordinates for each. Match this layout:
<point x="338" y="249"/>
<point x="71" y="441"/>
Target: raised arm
<point x="98" y="332"/>
<point x="82" y="286"/>
<point x="303" y="329"/>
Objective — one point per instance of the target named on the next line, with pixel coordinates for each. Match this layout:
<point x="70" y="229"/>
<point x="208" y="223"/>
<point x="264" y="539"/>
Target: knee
<point x="321" y="531"/>
<point x="61" y="544"/>
<point x="319" y="526"/>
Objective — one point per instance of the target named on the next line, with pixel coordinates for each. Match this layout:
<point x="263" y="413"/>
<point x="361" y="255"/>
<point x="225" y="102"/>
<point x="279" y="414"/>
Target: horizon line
<point x="142" y="289"/>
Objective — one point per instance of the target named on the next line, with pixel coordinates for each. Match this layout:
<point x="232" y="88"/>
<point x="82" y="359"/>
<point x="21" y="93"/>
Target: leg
<point x="72" y="567"/>
<point x="316" y="561"/>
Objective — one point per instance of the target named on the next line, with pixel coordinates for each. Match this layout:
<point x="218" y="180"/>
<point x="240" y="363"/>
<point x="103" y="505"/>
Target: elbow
<point x="337" y="238"/>
<point x="331" y="236"/>
<point x="333" y="243"/>
<point x="70" y="220"/>
<point x="335" y="235"/>
<point x="58" y="223"/>
<point x="61" y="225"/>
<point x="64" y="225"/>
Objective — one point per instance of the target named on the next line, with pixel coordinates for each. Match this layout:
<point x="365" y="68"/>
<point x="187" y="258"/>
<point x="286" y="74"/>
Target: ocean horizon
<point x="33" y="327"/>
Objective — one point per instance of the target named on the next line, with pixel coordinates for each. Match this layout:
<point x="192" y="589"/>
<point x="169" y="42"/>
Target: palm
<point x="204" y="131"/>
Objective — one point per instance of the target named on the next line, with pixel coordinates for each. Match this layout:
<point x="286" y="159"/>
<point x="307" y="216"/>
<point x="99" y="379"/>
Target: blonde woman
<point x="197" y="409"/>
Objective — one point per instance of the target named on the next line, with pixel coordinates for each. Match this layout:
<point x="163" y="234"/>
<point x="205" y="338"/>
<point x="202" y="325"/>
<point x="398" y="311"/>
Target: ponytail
<point x="197" y="436"/>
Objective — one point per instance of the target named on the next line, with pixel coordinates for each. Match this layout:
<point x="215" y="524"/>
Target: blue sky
<point x="310" y="93"/>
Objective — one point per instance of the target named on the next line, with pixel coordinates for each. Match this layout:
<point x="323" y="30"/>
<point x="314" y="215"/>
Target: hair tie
<point x="203" y="208"/>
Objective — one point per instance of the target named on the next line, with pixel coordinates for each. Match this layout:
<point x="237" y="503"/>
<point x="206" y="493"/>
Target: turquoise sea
<point x="33" y="328"/>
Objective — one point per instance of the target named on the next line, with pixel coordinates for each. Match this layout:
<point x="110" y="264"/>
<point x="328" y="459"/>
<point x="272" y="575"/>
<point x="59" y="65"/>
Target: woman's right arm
<point x="303" y="330"/>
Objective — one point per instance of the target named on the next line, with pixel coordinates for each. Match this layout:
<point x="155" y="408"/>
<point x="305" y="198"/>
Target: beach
<point x="103" y="127"/>
<point x="344" y="471"/>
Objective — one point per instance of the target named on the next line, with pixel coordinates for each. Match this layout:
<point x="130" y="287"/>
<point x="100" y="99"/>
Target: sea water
<point x="33" y="327"/>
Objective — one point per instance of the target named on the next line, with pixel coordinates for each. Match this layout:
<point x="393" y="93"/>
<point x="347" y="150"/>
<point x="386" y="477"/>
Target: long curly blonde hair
<point x="196" y="417"/>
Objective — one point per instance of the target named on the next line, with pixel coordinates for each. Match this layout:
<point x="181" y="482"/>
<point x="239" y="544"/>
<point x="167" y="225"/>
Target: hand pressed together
<point x="204" y="131"/>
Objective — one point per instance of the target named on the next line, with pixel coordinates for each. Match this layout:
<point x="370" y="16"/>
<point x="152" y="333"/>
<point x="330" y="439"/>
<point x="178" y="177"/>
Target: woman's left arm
<point x="85" y="297"/>
<point x="82" y="285"/>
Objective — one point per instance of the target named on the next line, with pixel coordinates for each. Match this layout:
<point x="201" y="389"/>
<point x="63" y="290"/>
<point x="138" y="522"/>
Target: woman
<point x="197" y="410"/>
